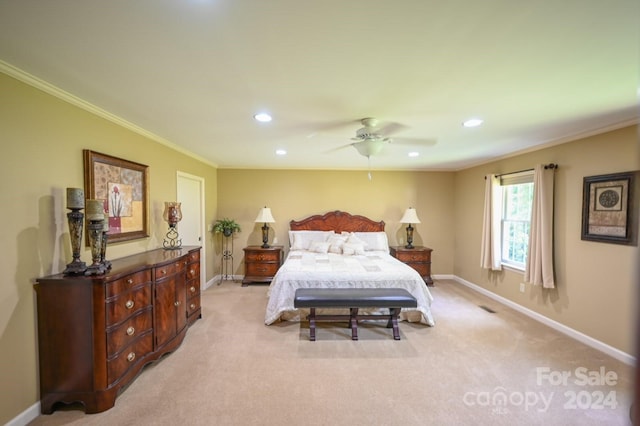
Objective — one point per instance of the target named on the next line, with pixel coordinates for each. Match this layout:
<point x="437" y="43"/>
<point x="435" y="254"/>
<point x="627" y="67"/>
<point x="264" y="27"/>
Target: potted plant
<point x="226" y="226"/>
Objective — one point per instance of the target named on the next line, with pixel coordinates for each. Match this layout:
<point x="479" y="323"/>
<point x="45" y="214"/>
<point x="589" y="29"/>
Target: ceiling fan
<point x="371" y="138"/>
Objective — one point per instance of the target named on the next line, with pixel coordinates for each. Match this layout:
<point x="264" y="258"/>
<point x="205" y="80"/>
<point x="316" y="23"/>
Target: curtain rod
<point x="546" y="166"/>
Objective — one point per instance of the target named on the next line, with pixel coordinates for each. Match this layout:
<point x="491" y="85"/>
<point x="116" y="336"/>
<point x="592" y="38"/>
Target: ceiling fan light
<point x="369" y="147"/>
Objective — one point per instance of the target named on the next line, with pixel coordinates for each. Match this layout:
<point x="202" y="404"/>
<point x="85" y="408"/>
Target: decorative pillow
<point x="336" y="242"/>
<point x="319" y="246"/>
<point x="354" y="239"/>
<point x="374" y="240"/>
<point x="301" y="240"/>
<point x="351" y="249"/>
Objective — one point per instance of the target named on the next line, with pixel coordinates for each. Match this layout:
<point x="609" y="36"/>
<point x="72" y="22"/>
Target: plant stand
<point x="227" y="258"/>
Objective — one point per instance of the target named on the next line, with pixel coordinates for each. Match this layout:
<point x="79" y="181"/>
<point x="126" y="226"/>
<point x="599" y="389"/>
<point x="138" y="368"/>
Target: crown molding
<point x="55" y="91"/>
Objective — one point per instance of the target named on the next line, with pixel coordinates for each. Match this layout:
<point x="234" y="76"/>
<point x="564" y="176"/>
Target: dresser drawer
<point x="422" y="268"/>
<point x="194" y="256"/>
<point x="126" y="304"/>
<point x="193" y="288"/>
<point x="193" y="271"/>
<point x="412" y="256"/>
<point x="262" y="256"/>
<point x="130" y="356"/>
<point x="193" y="305"/>
<point x="261" y="269"/>
<point x="127" y="283"/>
<point x="128" y="331"/>
<point x="169" y="269"/>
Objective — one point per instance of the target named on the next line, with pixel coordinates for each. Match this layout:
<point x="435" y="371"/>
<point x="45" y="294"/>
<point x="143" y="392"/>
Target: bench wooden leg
<point x="312" y="324"/>
<point x="393" y="322"/>
<point x="353" y="321"/>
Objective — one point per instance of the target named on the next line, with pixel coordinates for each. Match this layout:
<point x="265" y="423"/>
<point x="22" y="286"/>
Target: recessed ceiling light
<point x="414" y="154"/>
<point x="281" y="152"/>
<point x="262" y="117"/>
<point x="473" y="122"/>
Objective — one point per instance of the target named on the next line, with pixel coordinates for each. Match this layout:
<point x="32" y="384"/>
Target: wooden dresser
<point x="96" y="333"/>
<point x="261" y="264"/>
<point x="419" y="258"/>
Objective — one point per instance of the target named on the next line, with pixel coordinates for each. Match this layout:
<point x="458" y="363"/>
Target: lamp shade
<point x="265" y="216"/>
<point x="172" y="212"/>
<point x="410" y="216"/>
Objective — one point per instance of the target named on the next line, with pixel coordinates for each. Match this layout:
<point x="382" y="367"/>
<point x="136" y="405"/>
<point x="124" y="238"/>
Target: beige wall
<point x="296" y="194"/>
<point x="42" y="142"/>
<point x="595" y="281"/>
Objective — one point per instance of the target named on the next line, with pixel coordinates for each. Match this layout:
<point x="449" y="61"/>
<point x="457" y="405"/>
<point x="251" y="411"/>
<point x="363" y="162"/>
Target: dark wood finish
<point x="337" y="221"/>
<point x="193" y="287"/>
<point x="419" y="258"/>
<point x="96" y="333"/>
<point x="353" y="298"/>
<point x="261" y="264"/>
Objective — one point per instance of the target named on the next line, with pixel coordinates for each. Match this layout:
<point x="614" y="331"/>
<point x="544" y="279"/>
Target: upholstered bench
<point x="354" y="298"/>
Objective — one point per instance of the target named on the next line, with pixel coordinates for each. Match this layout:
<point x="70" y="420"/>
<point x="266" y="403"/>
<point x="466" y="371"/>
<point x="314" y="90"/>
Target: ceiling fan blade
<point x="413" y="141"/>
<point x="316" y="128"/>
<point x="391" y="128"/>
<point x="338" y="148"/>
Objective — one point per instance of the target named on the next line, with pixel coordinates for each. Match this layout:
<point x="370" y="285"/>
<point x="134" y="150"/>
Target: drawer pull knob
<point x="176" y="303"/>
<point x="192" y="289"/>
<point x="192" y="306"/>
<point x="130" y="331"/>
<point x="129" y="281"/>
<point x="131" y="356"/>
<point x="129" y="304"/>
<point x="192" y="272"/>
<point x="163" y="271"/>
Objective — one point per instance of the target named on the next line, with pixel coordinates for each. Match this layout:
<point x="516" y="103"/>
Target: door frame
<point x="203" y="250"/>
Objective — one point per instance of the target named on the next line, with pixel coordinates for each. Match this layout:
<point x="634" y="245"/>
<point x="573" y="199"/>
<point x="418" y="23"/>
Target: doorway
<point x="190" y="192"/>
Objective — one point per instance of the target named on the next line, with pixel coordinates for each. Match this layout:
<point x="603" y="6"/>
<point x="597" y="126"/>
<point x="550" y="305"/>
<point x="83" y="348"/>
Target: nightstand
<point x="419" y="258"/>
<point x="261" y="264"/>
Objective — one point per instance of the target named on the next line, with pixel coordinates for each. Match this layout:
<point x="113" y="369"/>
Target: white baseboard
<point x="26" y="416"/>
<point x="581" y="337"/>
<point x="218" y="280"/>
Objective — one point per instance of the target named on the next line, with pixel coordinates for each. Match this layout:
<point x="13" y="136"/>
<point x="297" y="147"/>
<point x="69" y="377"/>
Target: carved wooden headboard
<point x="337" y="221"/>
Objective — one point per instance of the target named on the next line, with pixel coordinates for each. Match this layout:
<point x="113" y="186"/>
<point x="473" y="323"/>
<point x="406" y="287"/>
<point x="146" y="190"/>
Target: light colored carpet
<point x="234" y="370"/>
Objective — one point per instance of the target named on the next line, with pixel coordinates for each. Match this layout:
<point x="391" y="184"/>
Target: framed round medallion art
<point x="609" y="208"/>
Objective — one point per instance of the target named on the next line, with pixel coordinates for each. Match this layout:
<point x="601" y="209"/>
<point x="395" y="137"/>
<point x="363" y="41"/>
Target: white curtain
<point x="539" y="267"/>
<point x="490" y="251"/>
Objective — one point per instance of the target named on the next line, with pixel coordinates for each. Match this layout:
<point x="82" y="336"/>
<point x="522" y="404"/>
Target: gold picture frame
<point x="609" y="208"/>
<point x="123" y="186"/>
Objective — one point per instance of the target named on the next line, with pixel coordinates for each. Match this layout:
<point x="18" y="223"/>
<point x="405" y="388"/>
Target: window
<point x="517" y="199"/>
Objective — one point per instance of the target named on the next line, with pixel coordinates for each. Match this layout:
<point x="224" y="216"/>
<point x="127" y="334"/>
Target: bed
<point x="341" y="250"/>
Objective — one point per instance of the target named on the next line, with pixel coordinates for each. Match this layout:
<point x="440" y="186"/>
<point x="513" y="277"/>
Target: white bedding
<point x="304" y="269"/>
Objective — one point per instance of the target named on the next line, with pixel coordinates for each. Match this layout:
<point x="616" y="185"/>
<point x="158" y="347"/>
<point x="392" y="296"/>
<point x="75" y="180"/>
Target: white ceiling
<point x="193" y="72"/>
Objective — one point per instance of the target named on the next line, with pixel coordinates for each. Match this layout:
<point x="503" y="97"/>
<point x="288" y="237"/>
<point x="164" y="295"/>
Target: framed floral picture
<point x="609" y="208"/>
<point x="123" y="187"/>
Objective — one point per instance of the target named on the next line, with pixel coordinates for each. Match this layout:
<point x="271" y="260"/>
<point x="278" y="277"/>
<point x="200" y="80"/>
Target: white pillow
<point x="350" y="249"/>
<point x="301" y="240"/>
<point x="336" y="242"/>
<point x="353" y="239"/>
<point x="373" y="240"/>
<point x="319" y="246"/>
